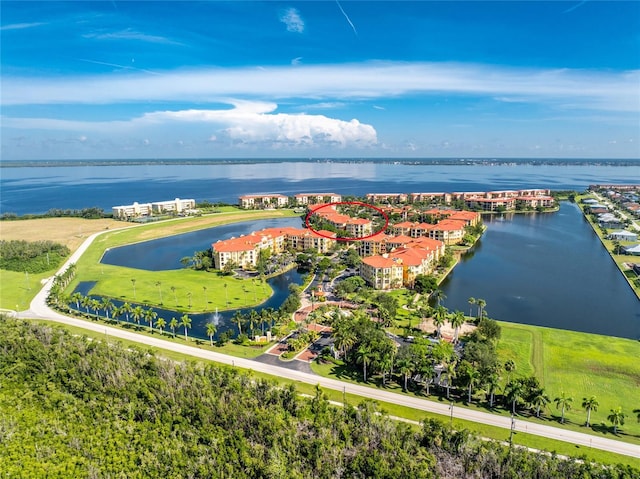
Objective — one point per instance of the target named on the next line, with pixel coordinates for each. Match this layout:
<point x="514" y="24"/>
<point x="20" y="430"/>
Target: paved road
<point x="39" y="309"/>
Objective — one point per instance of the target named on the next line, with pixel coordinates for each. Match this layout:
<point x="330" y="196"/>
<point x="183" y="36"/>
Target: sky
<point x="337" y="79"/>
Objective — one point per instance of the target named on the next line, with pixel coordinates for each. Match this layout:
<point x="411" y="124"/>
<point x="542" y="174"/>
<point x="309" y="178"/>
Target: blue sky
<point x="320" y="79"/>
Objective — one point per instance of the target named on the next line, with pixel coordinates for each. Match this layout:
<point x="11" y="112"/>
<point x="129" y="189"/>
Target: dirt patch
<point x="70" y="232"/>
<point x="446" y="330"/>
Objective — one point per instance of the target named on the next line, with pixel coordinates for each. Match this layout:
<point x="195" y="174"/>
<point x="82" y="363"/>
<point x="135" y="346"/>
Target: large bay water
<point x="36" y="190"/>
<point x="546" y="269"/>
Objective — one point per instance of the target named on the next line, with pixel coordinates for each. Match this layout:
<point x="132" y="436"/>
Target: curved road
<point x="40" y="310"/>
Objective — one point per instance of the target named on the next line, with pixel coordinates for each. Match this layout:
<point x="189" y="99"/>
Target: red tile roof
<point x="379" y="262"/>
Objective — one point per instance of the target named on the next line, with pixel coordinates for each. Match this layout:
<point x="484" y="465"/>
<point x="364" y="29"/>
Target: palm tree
<point x="344" y="337"/>
<point x="185" y="321"/>
<point x="450" y="372"/>
<point x="471" y="302"/>
<point x="126" y="309"/>
<point x="161" y="323"/>
<point x="189" y="297"/>
<point x="473" y="376"/>
<point x="405" y="366"/>
<point x="539" y="400"/>
<point x="137" y="314"/>
<point x="509" y="367"/>
<point x="513" y="393"/>
<point x="107" y="305"/>
<point x="175" y="297"/>
<point x="206" y="301"/>
<point x="439" y="318"/>
<point x="238" y="318"/>
<point x="616" y="418"/>
<point x="173" y="324"/>
<point x="159" y="285"/>
<point x="86" y="302"/>
<point x="563" y="402"/>
<point x="457" y="320"/>
<point x="211" y="331"/>
<point x="95" y="305"/>
<point x="364" y="355"/>
<point x="491" y="386"/>
<point x="76" y="298"/>
<point x="590" y="404"/>
<point x="254" y="317"/>
<point x="481" y="304"/>
<point x="427" y="371"/>
<point x="439" y="295"/>
<point x="149" y="316"/>
<point x="226" y="293"/>
<point x="133" y="282"/>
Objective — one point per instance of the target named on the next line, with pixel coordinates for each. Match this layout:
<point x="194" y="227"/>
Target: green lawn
<point x="581" y="365"/>
<point x="17" y="291"/>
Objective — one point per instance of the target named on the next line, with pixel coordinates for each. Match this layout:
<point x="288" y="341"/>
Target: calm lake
<point x="546" y="269"/>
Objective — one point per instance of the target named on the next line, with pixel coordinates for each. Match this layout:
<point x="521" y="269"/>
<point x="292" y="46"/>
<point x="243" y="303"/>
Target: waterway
<point x="546" y="269"/>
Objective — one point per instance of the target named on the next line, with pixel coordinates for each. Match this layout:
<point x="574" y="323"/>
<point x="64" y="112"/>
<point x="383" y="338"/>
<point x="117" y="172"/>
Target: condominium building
<point x="147" y="209"/>
<point x="263" y="201"/>
<point x="316" y="198"/>
<point x="388" y="197"/>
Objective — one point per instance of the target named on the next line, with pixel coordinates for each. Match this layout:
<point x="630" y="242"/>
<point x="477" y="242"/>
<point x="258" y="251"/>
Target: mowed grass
<point x="17" y="289"/>
<point x="581" y="365"/>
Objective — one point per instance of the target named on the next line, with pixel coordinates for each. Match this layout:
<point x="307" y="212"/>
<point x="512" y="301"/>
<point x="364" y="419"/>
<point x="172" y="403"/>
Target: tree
<point x="175" y="297"/>
<point x="439" y="318"/>
<point x="173" y="324"/>
<point x="590" y="404"/>
<point x="137" y="314"/>
<point x="491" y="386"/>
<point x="254" y="317"/>
<point x="481" y="304"/>
<point x="471" y="302"/>
<point x="616" y="418"/>
<point x="149" y="316"/>
<point x="509" y="367"/>
<point x="472" y="377"/>
<point x="438" y="295"/>
<point x="185" y="321"/>
<point x="86" y="302"/>
<point x="238" y="318"/>
<point x="513" y="393"/>
<point x="637" y="411"/>
<point x="76" y="298"/>
<point x="161" y="323"/>
<point x="95" y="305"/>
<point x="364" y="356"/>
<point x="539" y="399"/>
<point x="563" y="402"/>
<point x="450" y="372"/>
<point x="457" y="320"/>
<point x="133" y="282"/>
<point x="107" y="306"/>
<point x="159" y="285"/>
<point x="189" y="297"/>
<point x="405" y="366"/>
<point x="211" y="331"/>
<point x="204" y="290"/>
<point x="226" y="293"/>
<point x="126" y="309"/>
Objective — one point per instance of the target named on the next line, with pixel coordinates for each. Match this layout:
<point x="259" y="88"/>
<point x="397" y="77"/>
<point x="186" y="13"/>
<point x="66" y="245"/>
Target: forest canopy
<point x="70" y="407"/>
<point x="32" y="257"/>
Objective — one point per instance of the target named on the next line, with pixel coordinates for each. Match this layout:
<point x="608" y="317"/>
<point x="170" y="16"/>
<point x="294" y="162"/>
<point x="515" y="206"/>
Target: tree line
<point x="31" y="256"/>
<point x="70" y="407"/>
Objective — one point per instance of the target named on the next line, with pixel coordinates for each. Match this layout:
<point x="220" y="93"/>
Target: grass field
<point x="496" y="433"/>
<point x="581" y="365"/>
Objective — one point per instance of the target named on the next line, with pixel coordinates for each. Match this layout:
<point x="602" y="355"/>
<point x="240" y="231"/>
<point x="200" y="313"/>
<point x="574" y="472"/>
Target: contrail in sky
<point x="96" y="62"/>
<point x="571" y="9"/>
<point x="347" y="17"/>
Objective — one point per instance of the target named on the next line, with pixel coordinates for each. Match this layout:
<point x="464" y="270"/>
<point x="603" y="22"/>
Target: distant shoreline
<point x="402" y="161"/>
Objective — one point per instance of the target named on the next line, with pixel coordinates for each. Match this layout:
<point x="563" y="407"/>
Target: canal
<point x="546" y="269"/>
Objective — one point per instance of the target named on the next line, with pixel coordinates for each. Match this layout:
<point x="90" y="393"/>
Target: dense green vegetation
<point x="70" y="407"/>
<point x="88" y="213"/>
<point x="32" y="257"/>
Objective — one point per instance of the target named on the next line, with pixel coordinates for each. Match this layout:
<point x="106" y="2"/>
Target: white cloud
<point x="292" y="19"/>
<point x="21" y="26"/>
<point x="575" y="89"/>
<point x="296" y="61"/>
<point x="130" y="34"/>
<point x="247" y="122"/>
